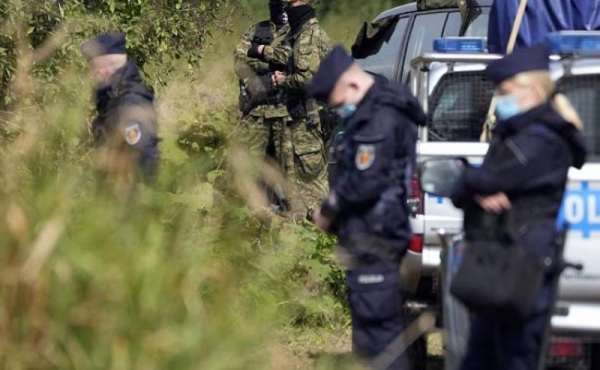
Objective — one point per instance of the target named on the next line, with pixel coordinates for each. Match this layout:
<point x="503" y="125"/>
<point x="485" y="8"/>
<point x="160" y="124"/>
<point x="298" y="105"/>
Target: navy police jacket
<point x="375" y="156"/>
<point x="528" y="160"/>
<point x="125" y="127"/>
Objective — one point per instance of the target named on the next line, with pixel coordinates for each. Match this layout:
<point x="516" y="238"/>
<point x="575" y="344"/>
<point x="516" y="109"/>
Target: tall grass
<point x="177" y="275"/>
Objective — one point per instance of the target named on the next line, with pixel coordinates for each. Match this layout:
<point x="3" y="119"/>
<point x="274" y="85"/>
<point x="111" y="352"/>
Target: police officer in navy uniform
<point x="125" y="128"/>
<point x="366" y="207"/>
<point x="535" y="143"/>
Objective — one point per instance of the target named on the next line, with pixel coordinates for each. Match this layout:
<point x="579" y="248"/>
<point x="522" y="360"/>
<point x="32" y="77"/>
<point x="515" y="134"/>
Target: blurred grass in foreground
<point x="179" y="276"/>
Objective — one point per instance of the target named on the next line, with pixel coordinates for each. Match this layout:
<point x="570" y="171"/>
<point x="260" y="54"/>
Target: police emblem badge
<point x="133" y="133"/>
<point x="365" y="156"/>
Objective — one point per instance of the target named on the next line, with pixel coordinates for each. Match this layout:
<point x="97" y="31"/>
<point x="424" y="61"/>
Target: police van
<point x="451" y="85"/>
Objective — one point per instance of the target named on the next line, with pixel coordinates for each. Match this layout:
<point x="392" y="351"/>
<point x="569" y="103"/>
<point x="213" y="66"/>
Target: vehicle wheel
<point x="417" y="354"/>
<point x="455" y="316"/>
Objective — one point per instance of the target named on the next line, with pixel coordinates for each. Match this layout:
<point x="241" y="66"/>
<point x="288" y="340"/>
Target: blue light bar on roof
<point x="574" y="42"/>
<point x="459" y="45"/>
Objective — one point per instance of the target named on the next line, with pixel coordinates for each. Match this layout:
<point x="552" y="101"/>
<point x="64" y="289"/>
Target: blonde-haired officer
<point x="535" y="143"/>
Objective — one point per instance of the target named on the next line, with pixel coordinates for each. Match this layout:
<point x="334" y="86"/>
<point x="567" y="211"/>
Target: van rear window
<point x="458" y="107"/>
<point x="584" y="93"/>
<point x="460" y="102"/>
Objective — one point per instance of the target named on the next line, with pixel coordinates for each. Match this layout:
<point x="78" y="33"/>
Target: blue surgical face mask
<point x="507" y="106"/>
<point x="346" y="110"/>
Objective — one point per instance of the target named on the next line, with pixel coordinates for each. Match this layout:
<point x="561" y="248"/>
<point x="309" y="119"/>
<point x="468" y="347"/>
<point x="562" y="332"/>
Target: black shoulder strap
<point x="263" y="34"/>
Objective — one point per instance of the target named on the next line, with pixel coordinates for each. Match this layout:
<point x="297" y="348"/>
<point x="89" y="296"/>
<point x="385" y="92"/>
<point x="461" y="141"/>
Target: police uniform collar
<point x="126" y="79"/>
<point x="521" y="122"/>
<point x="129" y="72"/>
<point x="365" y="107"/>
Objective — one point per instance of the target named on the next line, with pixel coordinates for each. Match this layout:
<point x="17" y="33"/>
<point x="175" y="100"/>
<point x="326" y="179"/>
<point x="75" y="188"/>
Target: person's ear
<point x="352" y="90"/>
<point x="353" y="85"/>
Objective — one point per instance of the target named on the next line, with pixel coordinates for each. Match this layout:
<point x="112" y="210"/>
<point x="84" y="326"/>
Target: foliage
<point x="170" y="278"/>
<point x="368" y="9"/>
<point x="158" y="33"/>
<point x="175" y="276"/>
<point x="180" y="274"/>
<point x="341" y="19"/>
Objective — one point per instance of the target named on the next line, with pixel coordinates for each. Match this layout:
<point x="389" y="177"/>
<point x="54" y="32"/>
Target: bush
<point x="158" y="33"/>
<point x="176" y="276"/>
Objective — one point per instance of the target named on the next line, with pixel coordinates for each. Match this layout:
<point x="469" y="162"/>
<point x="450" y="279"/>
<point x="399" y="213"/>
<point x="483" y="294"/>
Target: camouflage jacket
<point x="304" y="52"/>
<point x="247" y="68"/>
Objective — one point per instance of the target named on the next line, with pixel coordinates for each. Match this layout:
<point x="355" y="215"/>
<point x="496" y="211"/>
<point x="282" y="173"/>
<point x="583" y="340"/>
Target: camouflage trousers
<point x="296" y="151"/>
<point x="309" y="174"/>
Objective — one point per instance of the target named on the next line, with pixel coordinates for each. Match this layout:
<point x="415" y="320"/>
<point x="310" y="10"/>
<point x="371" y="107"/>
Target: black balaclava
<point x="299" y="15"/>
<point x="278" y="14"/>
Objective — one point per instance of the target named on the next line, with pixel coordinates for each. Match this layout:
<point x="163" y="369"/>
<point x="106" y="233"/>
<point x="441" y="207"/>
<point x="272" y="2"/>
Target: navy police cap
<point x="535" y="58"/>
<point x="108" y="43"/>
<point x="332" y="67"/>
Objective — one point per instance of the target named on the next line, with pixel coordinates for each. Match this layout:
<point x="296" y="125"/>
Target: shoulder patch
<point x="133" y="133"/>
<point x="365" y="156"/>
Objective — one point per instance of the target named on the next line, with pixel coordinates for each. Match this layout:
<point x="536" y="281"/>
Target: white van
<point x="456" y="96"/>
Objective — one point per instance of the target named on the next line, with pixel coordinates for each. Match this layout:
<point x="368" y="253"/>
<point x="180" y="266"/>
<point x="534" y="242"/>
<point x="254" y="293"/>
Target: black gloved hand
<point x="253" y="52"/>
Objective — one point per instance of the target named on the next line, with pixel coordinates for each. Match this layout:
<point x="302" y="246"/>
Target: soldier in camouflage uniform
<point x="264" y="116"/>
<point x="305" y="47"/>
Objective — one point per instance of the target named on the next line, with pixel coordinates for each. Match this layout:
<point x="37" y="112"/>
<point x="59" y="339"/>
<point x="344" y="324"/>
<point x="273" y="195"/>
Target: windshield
<point x="584" y="93"/>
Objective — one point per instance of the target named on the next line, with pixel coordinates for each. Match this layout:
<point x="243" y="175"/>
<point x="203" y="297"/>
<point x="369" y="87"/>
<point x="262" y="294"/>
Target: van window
<point x="584" y="93"/>
<point x="426" y="28"/>
<point x="382" y="57"/>
<point x="458" y="107"/>
<point x="478" y="23"/>
<point x="453" y="25"/>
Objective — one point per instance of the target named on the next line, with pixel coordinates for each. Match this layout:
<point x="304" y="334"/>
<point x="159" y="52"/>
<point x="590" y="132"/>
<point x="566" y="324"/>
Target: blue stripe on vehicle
<point x="581" y="210"/>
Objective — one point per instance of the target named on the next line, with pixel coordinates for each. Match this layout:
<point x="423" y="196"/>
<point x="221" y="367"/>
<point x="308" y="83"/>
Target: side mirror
<point x="439" y="176"/>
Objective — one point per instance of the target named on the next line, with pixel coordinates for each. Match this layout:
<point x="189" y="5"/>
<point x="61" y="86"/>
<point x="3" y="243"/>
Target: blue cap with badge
<point x="535" y="58"/>
<point x="332" y="67"/>
<point x="108" y="43"/>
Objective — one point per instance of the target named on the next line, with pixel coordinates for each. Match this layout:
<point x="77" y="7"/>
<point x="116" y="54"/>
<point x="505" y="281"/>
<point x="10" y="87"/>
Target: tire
<point x="456" y="319"/>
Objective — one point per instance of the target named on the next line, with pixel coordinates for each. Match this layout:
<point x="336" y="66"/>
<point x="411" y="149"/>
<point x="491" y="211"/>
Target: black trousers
<point x="494" y="345"/>
<point x="376" y="305"/>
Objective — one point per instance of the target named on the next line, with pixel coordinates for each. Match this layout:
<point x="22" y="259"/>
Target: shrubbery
<point x="158" y="33"/>
<point x="177" y="276"/>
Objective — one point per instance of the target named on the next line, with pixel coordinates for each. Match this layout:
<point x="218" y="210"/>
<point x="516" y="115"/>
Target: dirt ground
<point x="331" y="350"/>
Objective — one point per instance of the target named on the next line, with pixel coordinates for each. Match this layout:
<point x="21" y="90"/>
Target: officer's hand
<point x="496" y="203"/>
<point x="321" y="221"/>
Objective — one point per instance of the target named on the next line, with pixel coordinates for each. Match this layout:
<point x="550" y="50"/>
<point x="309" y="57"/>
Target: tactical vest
<point x="299" y="105"/>
<point x="268" y="106"/>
